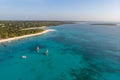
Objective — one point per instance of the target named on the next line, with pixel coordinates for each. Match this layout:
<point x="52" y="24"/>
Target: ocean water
<point x="76" y="52"/>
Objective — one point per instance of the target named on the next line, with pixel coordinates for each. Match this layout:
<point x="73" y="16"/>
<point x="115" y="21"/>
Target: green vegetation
<point x="9" y="29"/>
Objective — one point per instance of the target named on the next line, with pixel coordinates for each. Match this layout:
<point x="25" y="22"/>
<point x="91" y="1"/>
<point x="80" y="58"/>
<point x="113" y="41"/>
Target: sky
<point x="78" y="10"/>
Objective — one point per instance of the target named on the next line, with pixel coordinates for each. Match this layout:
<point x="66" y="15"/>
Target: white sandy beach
<point x="25" y="36"/>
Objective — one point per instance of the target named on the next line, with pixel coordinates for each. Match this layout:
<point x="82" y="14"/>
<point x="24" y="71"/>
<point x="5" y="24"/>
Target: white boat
<point x="37" y="49"/>
<point x="46" y="52"/>
<point x="24" y="57"/>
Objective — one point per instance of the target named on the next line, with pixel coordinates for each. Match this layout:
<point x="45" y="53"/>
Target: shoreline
<point x="26" y="36"/>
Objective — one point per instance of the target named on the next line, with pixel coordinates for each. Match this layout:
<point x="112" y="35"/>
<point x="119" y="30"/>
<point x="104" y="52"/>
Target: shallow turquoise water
<point x="76" y="52"/>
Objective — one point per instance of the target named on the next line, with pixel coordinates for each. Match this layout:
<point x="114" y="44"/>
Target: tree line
<point x="10" y="29"/>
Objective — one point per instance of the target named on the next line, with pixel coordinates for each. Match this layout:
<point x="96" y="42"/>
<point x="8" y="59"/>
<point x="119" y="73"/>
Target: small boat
<point x="37" y="49"/>
<point x="46" y="52"/>
<point x="24" y="57"/>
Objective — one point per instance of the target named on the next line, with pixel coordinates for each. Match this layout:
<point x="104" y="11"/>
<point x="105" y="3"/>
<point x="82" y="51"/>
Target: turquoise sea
<point x="76" y="52"/>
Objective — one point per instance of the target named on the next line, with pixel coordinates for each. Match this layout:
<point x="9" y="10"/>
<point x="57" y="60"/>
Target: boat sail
<point x="46" y="52"/>
<point x="37" y="49"/>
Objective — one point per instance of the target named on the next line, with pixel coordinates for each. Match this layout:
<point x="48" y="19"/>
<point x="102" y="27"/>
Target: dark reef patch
<point x="86" y="74"/>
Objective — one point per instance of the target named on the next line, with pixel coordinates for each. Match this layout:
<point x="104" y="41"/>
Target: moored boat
<point x="24" y="57"/>
<point x="37" y="48"/>
<point x="46" y="52"/>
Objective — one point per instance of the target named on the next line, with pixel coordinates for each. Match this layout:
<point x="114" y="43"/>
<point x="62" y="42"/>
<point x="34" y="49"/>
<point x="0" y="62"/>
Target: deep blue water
<point x="76" y="52"/>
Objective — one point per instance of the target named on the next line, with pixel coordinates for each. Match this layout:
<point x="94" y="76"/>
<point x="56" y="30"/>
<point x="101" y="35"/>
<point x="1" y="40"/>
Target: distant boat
<point x="46" y="52"/>
<point x="24" y="57"/>
<point x="37" y="49"/>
